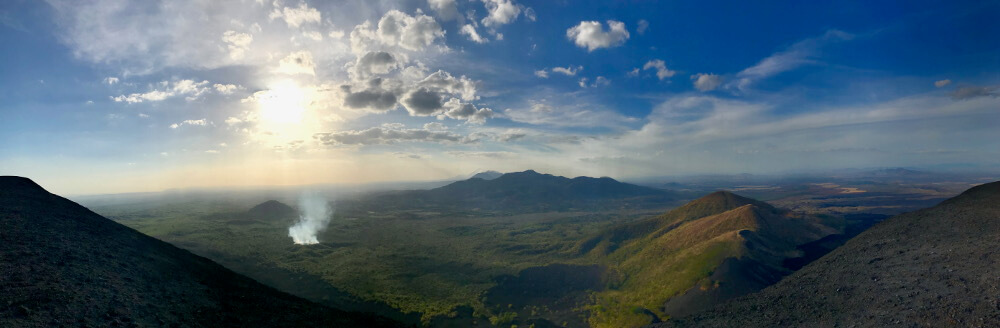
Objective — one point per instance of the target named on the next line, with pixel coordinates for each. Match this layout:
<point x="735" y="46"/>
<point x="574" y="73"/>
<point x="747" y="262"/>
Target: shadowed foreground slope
<point x="61" y="264"/>
<point x="937" y="267"/>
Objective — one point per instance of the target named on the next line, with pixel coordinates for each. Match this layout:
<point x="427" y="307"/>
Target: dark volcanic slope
<point x="61" y="264"/>
<point x="937" y="267"/>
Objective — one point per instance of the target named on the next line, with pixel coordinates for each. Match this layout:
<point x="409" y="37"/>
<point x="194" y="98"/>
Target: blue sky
<point x="116" y="96"/>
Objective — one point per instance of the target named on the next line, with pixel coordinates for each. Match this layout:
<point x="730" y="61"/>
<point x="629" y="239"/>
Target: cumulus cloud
<point x="446" y="9"/>
<point x="444" y="82"/>
<point x="111" y="80"/>
<point x="387" y="134"/>
<point x="500" y="12"/>
<point x="706" y="82"/>
<point x="165" y="89"/>
<point x="661" y="69"/>
<point x="942" y="83"/>
<point x="470" y="31"/>
<point x="299" y="62"/>
<point x="974" y="92"/>
<point x="542" y="74"/>
<point x="396" y="28"/>
<point x="297" y="16"/>
<point x="591" y="35"/>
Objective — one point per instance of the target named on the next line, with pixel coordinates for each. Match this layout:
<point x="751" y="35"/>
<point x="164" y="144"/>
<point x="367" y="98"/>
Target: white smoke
<point x="315" y="215"/>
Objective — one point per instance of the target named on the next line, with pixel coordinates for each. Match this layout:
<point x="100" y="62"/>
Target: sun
<point x="283" y="103"/>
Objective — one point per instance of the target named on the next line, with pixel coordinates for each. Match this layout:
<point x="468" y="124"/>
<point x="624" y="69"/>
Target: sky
<point x="108" y="96"/>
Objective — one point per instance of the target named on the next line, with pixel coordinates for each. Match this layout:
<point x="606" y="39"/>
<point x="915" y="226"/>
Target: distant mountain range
<point x="63" y="265"/>
<point x="935" y="267"/>
<point x="522" y="192"/>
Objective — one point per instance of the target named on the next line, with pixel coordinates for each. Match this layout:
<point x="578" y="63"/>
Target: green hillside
<point x="680" y="253"/>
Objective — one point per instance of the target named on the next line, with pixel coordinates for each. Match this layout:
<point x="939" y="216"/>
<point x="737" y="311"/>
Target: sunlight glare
<point x="283" y="103"/>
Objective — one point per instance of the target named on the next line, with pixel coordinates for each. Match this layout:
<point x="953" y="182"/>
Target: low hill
<point x="63" y="265"/>
<point x="272" y="209"/>
<point x="936" y="267"/>
<point x="527" y="191"/>
<point x="712" y="249"/>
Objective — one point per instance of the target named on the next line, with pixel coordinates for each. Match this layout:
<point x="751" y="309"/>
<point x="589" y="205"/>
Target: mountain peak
<point x="487" y="175"/>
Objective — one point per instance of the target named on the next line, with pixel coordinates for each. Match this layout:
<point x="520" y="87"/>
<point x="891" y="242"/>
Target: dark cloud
<point x="423" y="102"/>
<point x="372" y="98"/>
<point x="465" y="111"/>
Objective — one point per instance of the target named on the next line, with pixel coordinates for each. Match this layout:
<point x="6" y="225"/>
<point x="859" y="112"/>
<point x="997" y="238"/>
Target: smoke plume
<point x="315" y="215"/>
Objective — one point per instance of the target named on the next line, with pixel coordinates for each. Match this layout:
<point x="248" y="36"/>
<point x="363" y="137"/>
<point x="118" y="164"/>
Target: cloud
<point x="970" y="92"/>
<point x="581" y="114"/>
<point x="199" y="122"/>
<point x="481" y="154"/>
<point x="295" y="17"/>
<point x="661" y="69"/>
<point x="511" y="136"/>
<point x="601" y="81"/>
<point x="446" y="9"/>
<point x="542" y="74"/>
<point x="591" y="35"/>
<point x="299" y="62"/>
<point x="706" y="82"/>
<point x="633" y="73"/>
<point x="111" y="80"/>
<point x="422" y="102"/>
<point x="942" y="83"/>
<point x="408" y="32"/>
<point x="226" y="89"/>
<point x="456" y="109"/>
<point x="500" y="12"/>
<point x="470" y="31"/>
<point x="435" y="126"/>
<point x="387" y="134"/>
<point x="568" y="70"/>
<point x="165" y="89"/>
<point x="798" y="54"/>
<point x="237" y="43"/>
<point x="373" y="63"/>
<point x="530" y="14"/>
<point x="373" y="98"/>
<point x="642" y="26"/>
<point x="444" y="82"/>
